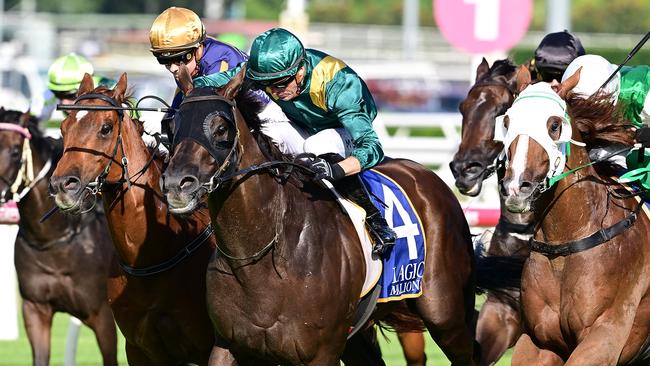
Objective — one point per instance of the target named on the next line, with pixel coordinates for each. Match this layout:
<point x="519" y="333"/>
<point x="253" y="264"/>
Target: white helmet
<point x="595" y="70"/>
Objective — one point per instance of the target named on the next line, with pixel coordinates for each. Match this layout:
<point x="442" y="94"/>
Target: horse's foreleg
<point x="498" y="329"/>
<point x="527" y="353"/>
<point x="103" y="325"/>
<point x="602" y="345"/>
<point x="413" y="348"/>
<point x="38" y="325"/>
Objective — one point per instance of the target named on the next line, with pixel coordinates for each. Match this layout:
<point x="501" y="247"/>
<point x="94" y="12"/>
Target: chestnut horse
<point x="495" y="89"/>
<point x="158" y="294"/>
<point x="585" y="285"/>
<point x="289" y="256"/>
<point x="62" y="264"/>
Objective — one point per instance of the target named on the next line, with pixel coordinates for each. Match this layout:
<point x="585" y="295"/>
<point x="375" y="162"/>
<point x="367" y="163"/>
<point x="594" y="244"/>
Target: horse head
<point x="536" y="132"/>
<point x="493" y="92"/>
<point x="210" y="138"/>
<point x="94" y="145"/>
<point x="16" y="130"/>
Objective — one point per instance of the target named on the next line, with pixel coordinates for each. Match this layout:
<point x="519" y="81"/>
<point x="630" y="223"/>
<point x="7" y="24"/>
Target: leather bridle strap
<point x="599" y="237"/>
<point x="172" y="262"/>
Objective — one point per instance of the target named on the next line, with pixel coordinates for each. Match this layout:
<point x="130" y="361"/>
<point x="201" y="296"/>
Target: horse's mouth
<point x="518" y="204"/>
<point x="72" y="204"/>
<point x="468" y="190"/>
<point x="182" y="205"/>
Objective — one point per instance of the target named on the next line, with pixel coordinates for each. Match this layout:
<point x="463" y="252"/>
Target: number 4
<point x="408" y="230"/>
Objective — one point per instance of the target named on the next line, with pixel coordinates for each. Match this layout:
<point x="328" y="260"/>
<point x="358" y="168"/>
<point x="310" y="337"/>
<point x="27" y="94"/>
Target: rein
<point x="173" y="261"/>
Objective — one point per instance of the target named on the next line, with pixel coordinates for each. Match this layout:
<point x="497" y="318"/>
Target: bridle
<point x="25" y="176"/>
<point x="97" y="185"/>
<point x="227" y="169"/>
<point x="500" y="160"/>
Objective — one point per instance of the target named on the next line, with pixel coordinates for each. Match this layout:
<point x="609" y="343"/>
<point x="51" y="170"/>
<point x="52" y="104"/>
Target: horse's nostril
<point x="188" y="183"/>
<point x="454" y="169"/>
<point x="526" y="187"/>
<point x="70" y="184"/>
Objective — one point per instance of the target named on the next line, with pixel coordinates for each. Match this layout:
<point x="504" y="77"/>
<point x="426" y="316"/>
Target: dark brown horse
<point x="62" y="264"/>
<point x="585" y="286"/>
<point x="158" y="294"/>
<point x="289" y="257"/>
<point x="495" y="89"/>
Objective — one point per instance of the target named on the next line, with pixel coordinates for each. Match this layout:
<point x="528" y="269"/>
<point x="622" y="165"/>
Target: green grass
<point x="18" y="353"/>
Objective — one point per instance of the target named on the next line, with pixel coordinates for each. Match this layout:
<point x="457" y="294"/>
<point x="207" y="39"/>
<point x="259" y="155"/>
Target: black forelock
<point x="13" y="116"/>
<point x="501" y="68"/>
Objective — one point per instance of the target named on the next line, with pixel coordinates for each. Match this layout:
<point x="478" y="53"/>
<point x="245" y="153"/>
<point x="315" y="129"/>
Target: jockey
<point x="331" y="110"/>
<point x="64" y="77"/>
<point x="630" y="87"/>
<point x="178" y="36"/>
<point x="553" y="55"/>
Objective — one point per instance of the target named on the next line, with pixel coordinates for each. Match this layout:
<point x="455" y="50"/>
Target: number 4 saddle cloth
<point x="400" y="271"/>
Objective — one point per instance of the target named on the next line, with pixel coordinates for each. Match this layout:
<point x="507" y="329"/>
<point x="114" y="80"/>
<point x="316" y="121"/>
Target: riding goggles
<point x="68" y="94"/>
<point x="168" y="58"/>
<point x="280" y="83"/>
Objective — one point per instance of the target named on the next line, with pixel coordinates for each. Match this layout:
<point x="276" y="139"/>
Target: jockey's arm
<point x="356" y="110"/>
<point x="350" y="165"/>
<point x="217" y="80"/>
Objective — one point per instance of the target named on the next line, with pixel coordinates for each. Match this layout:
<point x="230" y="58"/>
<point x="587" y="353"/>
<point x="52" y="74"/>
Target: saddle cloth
<point x="400" y="271"/>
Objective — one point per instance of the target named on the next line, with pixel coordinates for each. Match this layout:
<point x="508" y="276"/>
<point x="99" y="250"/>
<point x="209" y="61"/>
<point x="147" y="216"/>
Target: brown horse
<point x="158" y="294"/>
<point x="286" y="250"/>
<point x="62" y="264"/>
<point x="495" y="89"/>
<point x="585" y="286"/>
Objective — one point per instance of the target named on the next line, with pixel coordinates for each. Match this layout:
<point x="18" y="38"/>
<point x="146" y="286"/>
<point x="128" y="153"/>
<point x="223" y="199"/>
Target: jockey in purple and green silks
<point x="178" y="36"/>
<point x="331" y="110"/>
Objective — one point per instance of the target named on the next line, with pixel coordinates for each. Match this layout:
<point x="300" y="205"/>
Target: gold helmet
<point x="175" y="32"/>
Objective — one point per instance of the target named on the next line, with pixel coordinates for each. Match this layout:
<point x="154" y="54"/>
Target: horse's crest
<point x="404" y="263"/>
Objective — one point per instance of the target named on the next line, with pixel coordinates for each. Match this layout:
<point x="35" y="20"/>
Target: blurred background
<point x="416" y="69"/>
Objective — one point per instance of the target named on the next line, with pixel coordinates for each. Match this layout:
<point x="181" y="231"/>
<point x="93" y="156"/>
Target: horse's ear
<point x="567" y="85"/>
<point x="231" y="89"/>
<point x="87" y="84"/>
<point x="185" y="79"/>
<point x="482" y="69"/>
<point x="523" y="78"/>
<point x="24" y="118"/>
<point x="120" y="87"/>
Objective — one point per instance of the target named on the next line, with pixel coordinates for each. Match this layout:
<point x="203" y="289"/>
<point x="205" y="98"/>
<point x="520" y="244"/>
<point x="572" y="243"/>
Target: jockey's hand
<point x="323" y="169"/>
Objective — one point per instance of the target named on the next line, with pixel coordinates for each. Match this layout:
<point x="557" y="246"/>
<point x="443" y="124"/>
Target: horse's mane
<point x="250" y="106"/>
<point x="599" y="121"/>
<point x="42" y="142"/>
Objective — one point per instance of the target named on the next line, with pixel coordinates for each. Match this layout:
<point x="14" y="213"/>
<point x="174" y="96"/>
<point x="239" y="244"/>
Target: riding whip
<point x="629" y="56"/>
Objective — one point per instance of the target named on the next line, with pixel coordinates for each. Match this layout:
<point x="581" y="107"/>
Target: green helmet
<point x="66" y="73"/>
<point x="275" y="53"/>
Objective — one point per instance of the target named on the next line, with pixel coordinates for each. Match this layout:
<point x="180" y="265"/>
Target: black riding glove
<point x="322" y="168"/>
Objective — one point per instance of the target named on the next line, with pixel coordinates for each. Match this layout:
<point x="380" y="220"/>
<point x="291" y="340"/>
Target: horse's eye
<point x="106" y="129"/>
<point x="15" y="152"/>
<point x="221" y="129"/>
<point x="555" y="126"/>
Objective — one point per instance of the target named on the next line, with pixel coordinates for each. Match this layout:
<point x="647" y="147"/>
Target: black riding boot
<point x="383" y="236"/>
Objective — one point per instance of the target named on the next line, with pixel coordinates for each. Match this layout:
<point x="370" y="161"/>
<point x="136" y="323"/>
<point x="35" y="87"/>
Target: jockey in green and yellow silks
<point x="331" y="112"/>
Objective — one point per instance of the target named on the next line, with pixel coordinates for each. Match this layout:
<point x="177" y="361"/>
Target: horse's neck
<point x="138" y="214"/>
<point x="37" y="202"/>
<point x="577" y="206"/>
